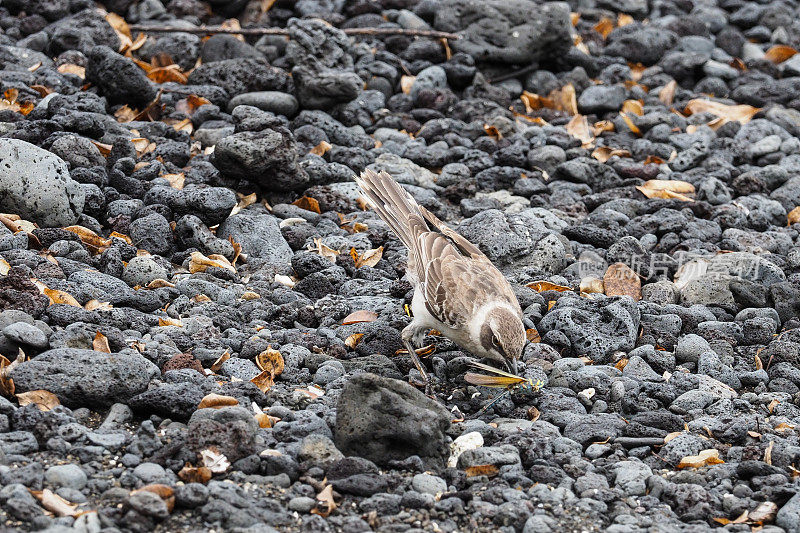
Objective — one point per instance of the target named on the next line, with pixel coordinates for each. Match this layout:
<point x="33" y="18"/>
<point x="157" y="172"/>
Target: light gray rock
<point x="36" y="185"/>
<point x="260" y="237"/>
<point x="429" y="484"/>
<point x="27" y="334"/>
<point x="69" y="475"/>
<point x="141" y="270"/>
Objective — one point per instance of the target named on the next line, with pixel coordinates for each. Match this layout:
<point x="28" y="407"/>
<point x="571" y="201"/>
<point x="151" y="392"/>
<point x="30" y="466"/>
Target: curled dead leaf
<point x="100" y="343"/>
<point x="533" y="413"/>
<point x="325" y="504"/>
<point x="578" y="127"/>
<point x="199" y="262"/>
<point x="633" y="107"/>
<point x="165" y="492"/>
<point x="308" y="203"/>
<point x="620" y="280"/>
<point x="704" y="458"/>
<point x="532" y="335"/>
<point x="741" y="113"/>
<point x="221" y="359"/>
<point x="794" y="216"/>
<point x="492" y="131"/>
<point x="69" y="68"/>
<point x="192" y="474"/>
<point x="215" y="401"/>
<point x="264" y="381"/>
<point x="321" y="149"/>
<point x="244" y="201"/>
<point x="667" y="93"/>
<point x="362" y="315"/>
<point x="667" y="189"/>
<point x="55" y="503"/>
<point x="604" y="27"/>
<point x="768" y="452"/>
<point x="323" y="250"/>
<point x="60" y="297"/>
<point x="764" y="512"/>
<point x="604" y="153"/>
<point x="93" y="242"/>
<point x="779" y="53"/>
<point x="270" y="360"/>
<point x="482" y="470"/>
<point x="629" y="122"/>
<point x="541" y="286"/>
<point x="353" y="340"/>
<point x="44" y="400"/>
<point x="369" y="258"/>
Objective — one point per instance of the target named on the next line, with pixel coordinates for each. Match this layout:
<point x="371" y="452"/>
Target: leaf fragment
<point x="324" y="250"/>
<point x="532" y="335"/>
<point x="604" y="153"/>
<point x="406" y="82"/>
<point x="633" y="107"/>
<point x="578" y="127"/>
<point x="165" y="492"/>
<point x="55" y="503"/>
<point x="779" y="53"/>
<point x="667" y="189"/>
<point x="741" y="113"/>
<point x="270" y="360"/>
<point x="794" y="216"/>
<point x="362" y="315"/>
<point x="321" y="149"/>
<point x="169" y="321"/>
<point x="308" y="203"/>
<point x="353" y="340"/>
<point x="200" y="263"/>
<point x="44" y="400"/>
<point x="60" y="297"/>
<point x="482" y="470"/>
<point x="100" y="343"/>
<point x="215" y="401"/>
<point x="541" y="286"/>
<point x="369" y="258"/>
<point x="325" y="504"/>
<point x="704" y="458"/>
<point x="667" y="93"/>
<point x="621" y="280"/>
<point x="192" y="474"/>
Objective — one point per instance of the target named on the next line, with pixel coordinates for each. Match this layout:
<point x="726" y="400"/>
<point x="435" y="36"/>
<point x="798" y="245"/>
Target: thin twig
<point x="515" y="74"/>
<point x="282" y="31"/>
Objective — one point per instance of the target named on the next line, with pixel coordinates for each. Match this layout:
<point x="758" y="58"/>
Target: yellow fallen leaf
<point x="216" y="401"/>
<point x="541" y="286"/>
<point x="741" y="113"/>
<point x="633" y="107"/>
<point x="321" y="149"/>
<point x="359" y="316"/>
<point x="270" y="360"/>
<point x="532" y="335"/>
<point x="353" y="340"/>
<point x="44" y="400"/>
<point x="94" y="242"/>
<point x="779" y="53"/>
<point x="629" y="122"/>
<point x="69" y="68"/>
<point x="100" y="343"/>
<point x="60" y="297"/>
<point x="604" y="27"/>
<point x="704" y="458"/>
<point x="264" y="381"/>
<point x="794" y="216"/>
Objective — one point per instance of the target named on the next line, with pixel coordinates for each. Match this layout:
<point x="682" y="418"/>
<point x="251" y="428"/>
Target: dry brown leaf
<point x="779" y="53"/>
<point x="250" y="295"/>
<point x="534" y="101"/>
<point x="604" y="153"/>
<point x="604" y="27"/>
<point x="264" y="420"/>
<point x="758" y="363"/>
<point x="754" y="434"/>
<point x="221" y="359"/>
<point x="369" y="258"/>
<point x="215" y="401"/>
<point x="741" y="519"/>
<point x="200" y="298"/>
<point x="740" y="113"/>
<point x="629" y="122"/>
<point x="308" y="203"/>
<point x="667" y="189"/>
<point x="244" y="201"/>
<point x="270" y="360"/>
<point x="541" y="286"/>
<point x="359" y="316"/>
<point x="353" y="340"/>
<point x="492" y="131"/>
<point x="325" y="504"/>
<point x="321" y="149"/>
<point x="633" y="107"/>
<point x="94" y="242"/>
<point x="406" y="82"/>
<point x="170" y="73"/>
<point x="533" y="413"/>
<point x="100" y="343"/>
<point x="784" y="426"/>
<point x="264" y="381"/>
<point x="69" y="68"/>
<point x="159" y="283"/>
<point x="532" y="335"/>
<point x="768" y="453"/>
<point x="60" y="297"/>
<point x="620" y="280"/>
<point x="176" y="181"/>
<point x="602" y="126"/>
<point x="200" y="263"/>
<point x="591" y="285"/>
<point x="165" y="492"/>
<point x="192" y="474"/>
<point x="763" y="513"/>
<point x="44" y="400"/>
<point x="190" y="104"/>
<point x="482" y="470"/>
<point x="168" y="321"/>
<point x="794" y="216"/>
<point x="181" y="125"/>
<point x="705" y="457"/>
<point x="578" y="127"/>
<point x="565" y="99"/>
<point x="653" y="160"/>
<point x="125" y="114"/>
<point x="6" y="383"/>
<point x="323" y="250"/>
<point x="55" y="503"/>
<point x="667" y="93"/>
<point x="118" y="24"/>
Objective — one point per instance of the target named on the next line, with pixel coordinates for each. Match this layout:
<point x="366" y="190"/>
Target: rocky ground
<point x="200" y="322"/>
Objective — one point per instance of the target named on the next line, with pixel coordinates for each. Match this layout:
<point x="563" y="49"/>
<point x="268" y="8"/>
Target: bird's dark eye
<point x="495" y="342"/>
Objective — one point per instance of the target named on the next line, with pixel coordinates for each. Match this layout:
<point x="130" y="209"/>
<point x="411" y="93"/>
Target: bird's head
<point x="502" y="336"/>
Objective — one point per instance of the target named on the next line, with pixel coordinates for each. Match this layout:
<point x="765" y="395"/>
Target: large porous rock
<point x="383" y="419"/>
<point x="230" y="430"/>
<point x="242" y="75"/>
<point x="119" y="78"/>
<point x="260" y="237"/>
<point x="17" y="291"/>
<point x="85" y="377"/>
<point x="35" y="184"/>
<point x="507" y="31"/>
<point x="268" y="157"/>
<point x="595" y="328"/>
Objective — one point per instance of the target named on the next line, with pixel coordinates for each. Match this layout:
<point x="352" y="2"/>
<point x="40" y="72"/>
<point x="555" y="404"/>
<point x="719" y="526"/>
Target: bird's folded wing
<point x="456" y="285"/>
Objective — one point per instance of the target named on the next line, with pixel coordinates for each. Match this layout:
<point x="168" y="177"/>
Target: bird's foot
<point x="424" y="351"/>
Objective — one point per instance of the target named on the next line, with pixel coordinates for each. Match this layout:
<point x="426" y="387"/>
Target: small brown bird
<point x="457" y="289"/>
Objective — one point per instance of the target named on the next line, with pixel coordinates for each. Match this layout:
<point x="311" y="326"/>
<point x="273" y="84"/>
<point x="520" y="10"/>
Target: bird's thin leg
<point x="407" y="334"/>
